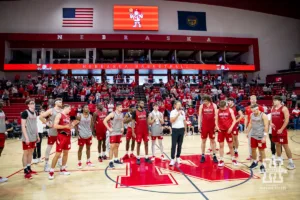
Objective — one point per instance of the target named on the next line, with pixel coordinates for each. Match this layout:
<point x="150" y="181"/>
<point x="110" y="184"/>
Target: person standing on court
<point x="3" y="134"/>
<point x="155" y="119"/>
<point x="115" y="134"/>
<point x="177" y="118"/>
<point x="140" y="131"/>
<point x="29" y="136"/>
<point x="37" y="151"/>
<point x="258" y="126"/>
<point x="100" y="131"/>
<point x="52" y="136"/>
<point x="63" y="124"/>
<point x="85" y="136"/>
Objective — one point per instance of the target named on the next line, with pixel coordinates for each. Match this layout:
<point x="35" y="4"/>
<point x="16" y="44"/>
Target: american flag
<point x="78" y="17"/>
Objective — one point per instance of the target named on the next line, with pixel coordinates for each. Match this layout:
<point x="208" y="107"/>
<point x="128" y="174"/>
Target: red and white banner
<point x="34" y="67"/>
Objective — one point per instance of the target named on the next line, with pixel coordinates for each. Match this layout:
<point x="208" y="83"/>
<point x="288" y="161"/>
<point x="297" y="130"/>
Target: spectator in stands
<point x="110" y="106"/>
<point x="167" y="126"/>
<point x="5" y="98"/>
<point x="79" y="109"/>
<point x="98" y="96"/>
<point x="127" y="78"/>
<point x="265" y="109"/>
<point x="82" y="94"/>
<point x="214" y="92"/>
<point x="73" y="112"/>
<point x="16" y="129"/>
<point x="39" y="88"/>
<point x="296" y="113"/>
<point x="283" y="96"/>
<point x="194" y="126"/>
<point x="8" y="84"/>
<point x="14" y="91"/>
<point x="294" y="99"/>
<point x="265" y="90"/>
<point x="9" y="129"/>
<point x="21" y="91"/>
<point x="190" y="112"/>
<point x="230" y="77"/>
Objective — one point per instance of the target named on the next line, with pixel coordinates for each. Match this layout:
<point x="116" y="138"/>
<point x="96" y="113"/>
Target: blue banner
<point x="193" y="21"/>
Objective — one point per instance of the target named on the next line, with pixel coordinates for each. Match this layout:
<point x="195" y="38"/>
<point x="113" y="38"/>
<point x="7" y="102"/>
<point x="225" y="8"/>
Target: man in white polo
<point x="177" y="118"/>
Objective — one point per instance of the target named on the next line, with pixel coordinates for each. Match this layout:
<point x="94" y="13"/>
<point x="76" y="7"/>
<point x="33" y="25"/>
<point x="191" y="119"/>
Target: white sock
<point x="255" y="161"/>
<point x="161" y="147"/>
<point x="63" y="167"/>
<point x="273" y="156"/>
<point x="79" y="161"/>
<point x="127" y="152"/>
<point x="153" y="147"/>
<point x="138" y="157"/>
<point x="146" y="156"/>
<point x="28" y="165"/>
<point x="51" y="170"/>
<point x="99" y="154"/>
<point x="279" y="158"/>
<point x="88" y="160"/>
<point x="103" y="153"/>
<point x="221" y="158"/>
<point x="236" y="150"/>
<point x="116" y="159"/>
<point x="233" y="158"/>
<point x="291" y="160"/>
<point x="47" y="153"/>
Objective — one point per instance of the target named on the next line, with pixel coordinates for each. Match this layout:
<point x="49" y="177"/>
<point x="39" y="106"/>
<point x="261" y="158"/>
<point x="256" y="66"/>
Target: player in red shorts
<point x="206" y="119"/>
<point x="63" y="125"/>
<point x="225" y="122"/>
<point x="279" y="120"/>
<point x="3" y="134"/>
<point x="248" y="113"/>
<point x="129" y="136"/>
<point x="115" y="133"/>
<point x="85" y="136"/>
<point x="52" y="136"/>
<point x="100" y="131"/>
<point x="29" y="136"/>
<point x="140" y="131"/>
<point x="258" y="126"/>
<point x="156" y="120"/>
<point x="235" y="131"/>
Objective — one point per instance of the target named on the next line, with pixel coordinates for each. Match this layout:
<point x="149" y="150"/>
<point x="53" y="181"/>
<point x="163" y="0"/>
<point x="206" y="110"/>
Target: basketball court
<point x="189" y="180"/>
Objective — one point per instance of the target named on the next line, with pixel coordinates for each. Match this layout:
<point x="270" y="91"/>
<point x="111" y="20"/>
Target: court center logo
<point x="273" y="172"/>
<point x="192" y="21"/>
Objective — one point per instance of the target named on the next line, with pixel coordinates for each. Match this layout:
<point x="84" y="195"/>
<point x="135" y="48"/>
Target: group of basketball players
<point x="139" y="123"/>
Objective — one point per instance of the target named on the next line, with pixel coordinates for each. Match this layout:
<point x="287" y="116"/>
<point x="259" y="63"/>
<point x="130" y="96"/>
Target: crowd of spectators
<point x="188" y="89"/>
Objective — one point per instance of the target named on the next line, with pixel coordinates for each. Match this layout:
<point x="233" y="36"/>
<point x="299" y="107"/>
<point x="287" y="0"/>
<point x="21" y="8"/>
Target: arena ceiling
<point x="287" y="8"/>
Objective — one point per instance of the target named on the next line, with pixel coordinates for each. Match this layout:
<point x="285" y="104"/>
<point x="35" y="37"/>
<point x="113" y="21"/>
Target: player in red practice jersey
<point x="279" y="120"/>
<point x="248" y="113"/>
<point x="206" y="119"/>
<point x="140" y="130"/>
<point x="63" y="125"/>
<point x="225" y="122"/>
<point x="100" y="130"/>
<point x="235" y="131"/>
